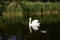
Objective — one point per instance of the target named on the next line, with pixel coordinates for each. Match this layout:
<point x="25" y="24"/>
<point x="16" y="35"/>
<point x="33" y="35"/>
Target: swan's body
<point x="34" y="24"/>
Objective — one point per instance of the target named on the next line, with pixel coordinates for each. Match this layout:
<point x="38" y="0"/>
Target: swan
<point x="33" y="24"/>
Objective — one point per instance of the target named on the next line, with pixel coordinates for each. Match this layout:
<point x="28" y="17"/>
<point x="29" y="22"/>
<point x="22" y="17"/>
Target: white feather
<point x="34" y="24"/>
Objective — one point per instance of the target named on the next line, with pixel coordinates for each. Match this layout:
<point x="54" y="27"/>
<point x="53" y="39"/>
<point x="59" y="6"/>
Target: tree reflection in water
<point x="13" y="37"/>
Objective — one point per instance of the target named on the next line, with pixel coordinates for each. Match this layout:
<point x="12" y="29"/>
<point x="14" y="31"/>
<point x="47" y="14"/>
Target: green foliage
<point x="45" y="6"/>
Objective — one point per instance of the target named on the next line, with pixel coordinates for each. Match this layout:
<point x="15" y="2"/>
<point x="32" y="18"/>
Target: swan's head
<point x="30" y="18"/>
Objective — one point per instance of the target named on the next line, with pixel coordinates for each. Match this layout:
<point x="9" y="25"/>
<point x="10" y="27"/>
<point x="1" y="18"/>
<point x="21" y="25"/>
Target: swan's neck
<point x="30" y="25"/>
<point x="30" y="20"/>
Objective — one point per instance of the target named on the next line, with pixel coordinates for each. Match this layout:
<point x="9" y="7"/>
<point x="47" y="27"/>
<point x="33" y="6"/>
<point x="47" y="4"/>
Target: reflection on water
<point x="12" y="38"/>
<point x="0" y="37"/>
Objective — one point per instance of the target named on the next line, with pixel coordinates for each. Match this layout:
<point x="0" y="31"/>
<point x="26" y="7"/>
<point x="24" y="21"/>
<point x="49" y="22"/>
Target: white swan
<point x="34" y="25"/>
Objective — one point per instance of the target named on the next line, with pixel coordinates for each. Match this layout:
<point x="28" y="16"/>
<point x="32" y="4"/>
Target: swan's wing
<point x="38" y="24"/>
<point x="34" y="27"/>
<point x="35" y="24"/>
<point x="35" y="21"/>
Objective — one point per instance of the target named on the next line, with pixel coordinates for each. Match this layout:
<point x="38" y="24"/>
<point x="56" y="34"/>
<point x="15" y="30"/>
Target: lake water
<point x="12" y="38"/>
<point x="0" y="37"/>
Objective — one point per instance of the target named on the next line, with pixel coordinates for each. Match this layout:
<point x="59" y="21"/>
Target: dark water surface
<point x="10" y="38"/>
